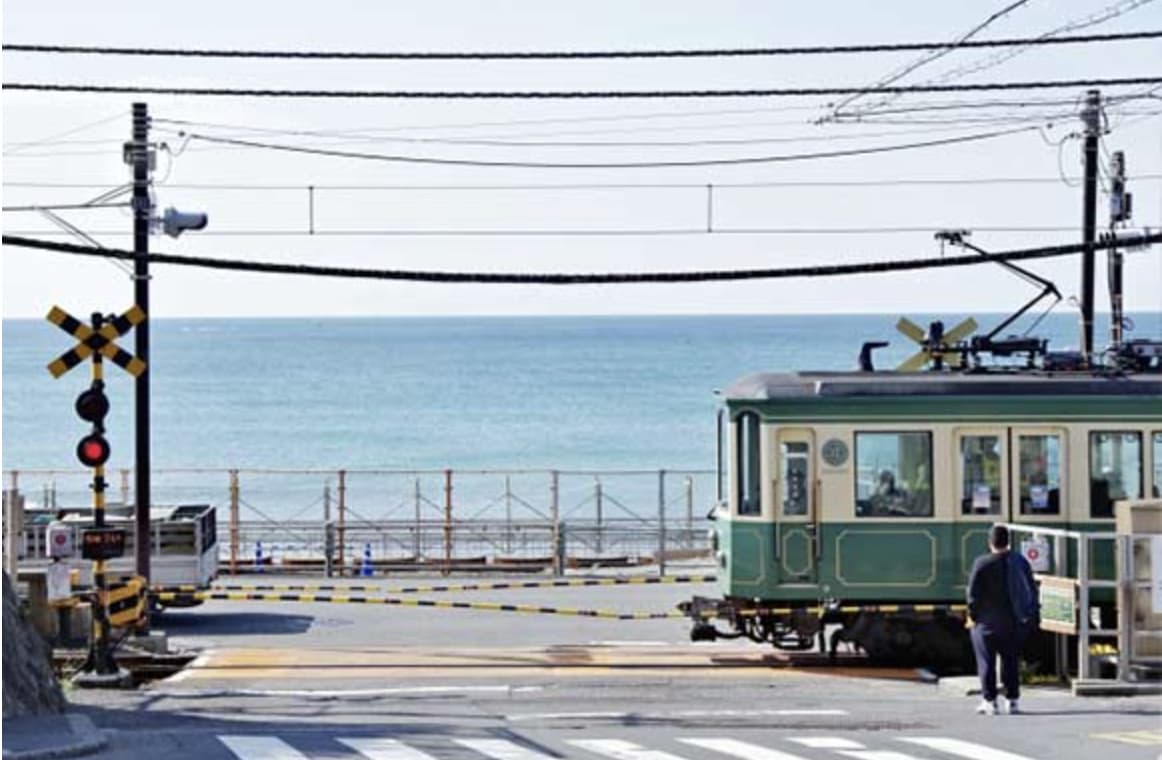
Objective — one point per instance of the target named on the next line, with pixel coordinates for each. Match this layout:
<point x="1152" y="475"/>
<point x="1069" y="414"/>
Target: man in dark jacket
<point x="1003" y="610"/>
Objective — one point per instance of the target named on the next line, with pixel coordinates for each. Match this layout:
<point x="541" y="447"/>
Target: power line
<point x="830" y="270"/>
<point x="573" y="54"/>
<point x="628" y="232"/>
<point x="65" y="207"/>
<point x="572" y="94"/>
<point x="781" y="158"/>
<point x="883" y="182"/>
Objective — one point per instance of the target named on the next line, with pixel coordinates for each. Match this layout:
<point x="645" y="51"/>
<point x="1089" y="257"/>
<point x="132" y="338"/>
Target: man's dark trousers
<point x="987" y="642"/>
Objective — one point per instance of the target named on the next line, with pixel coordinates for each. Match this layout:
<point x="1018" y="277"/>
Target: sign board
<point x="1036" y="551"/>
<point x="59" y="582"/>
<point x="59" y="541"/>
<point x="102" y="543"/>
<point x="1058" y="598"/>
<point x="1156" y="573"/>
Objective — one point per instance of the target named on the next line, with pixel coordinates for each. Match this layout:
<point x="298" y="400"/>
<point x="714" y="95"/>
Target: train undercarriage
<point x="886" y="633"/>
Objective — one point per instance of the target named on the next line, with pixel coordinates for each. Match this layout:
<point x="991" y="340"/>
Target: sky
<point x="65" y="148"/>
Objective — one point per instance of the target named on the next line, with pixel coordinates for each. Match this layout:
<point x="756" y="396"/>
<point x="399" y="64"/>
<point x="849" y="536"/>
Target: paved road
<point x="295" y="681"/>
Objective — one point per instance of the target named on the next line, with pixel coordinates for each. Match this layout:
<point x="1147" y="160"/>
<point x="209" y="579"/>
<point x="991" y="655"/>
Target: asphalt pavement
<point x="306" y="681"/>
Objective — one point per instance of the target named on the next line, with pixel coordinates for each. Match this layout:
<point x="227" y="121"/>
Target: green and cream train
<point x="869" y="494"/>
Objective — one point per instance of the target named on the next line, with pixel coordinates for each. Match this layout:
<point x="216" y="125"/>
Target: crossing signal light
<point x="92" y="405"/>
<point x="93" y="450"/>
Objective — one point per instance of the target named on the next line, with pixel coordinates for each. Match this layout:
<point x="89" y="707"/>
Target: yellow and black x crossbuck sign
<point x="100" y="341"/>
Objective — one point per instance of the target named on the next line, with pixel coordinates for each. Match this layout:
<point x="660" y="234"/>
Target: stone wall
<point x="29" y="685"/>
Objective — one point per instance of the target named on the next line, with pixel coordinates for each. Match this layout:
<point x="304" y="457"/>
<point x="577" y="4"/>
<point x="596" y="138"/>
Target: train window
<point x="748" y="464"/>
<point x="893" y="474"/>
<point x="795" y="488"/>
<point x="1115" y="470"/>
<point x="1157" y="464"/>
<point x="980" y="467"/>
<point x="1040" y="474"/>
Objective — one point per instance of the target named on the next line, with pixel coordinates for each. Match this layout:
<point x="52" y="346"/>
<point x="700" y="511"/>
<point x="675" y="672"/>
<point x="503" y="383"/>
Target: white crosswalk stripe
<point x="502" y="749"/>
<point x="826" y="742"/>
<point x="742" y="749"/>
<point x="876" y="754"/>
<point x="261" y="748"/>
<point x="385" y="749"/>
<point x="961" y="748"/>
<point x="622" y="750"/>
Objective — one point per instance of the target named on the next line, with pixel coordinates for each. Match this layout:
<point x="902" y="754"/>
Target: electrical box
<point x="60" y="541"/>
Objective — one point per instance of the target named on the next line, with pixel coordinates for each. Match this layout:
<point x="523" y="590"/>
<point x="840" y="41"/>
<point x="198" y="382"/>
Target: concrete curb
<point x="88" y="741"/>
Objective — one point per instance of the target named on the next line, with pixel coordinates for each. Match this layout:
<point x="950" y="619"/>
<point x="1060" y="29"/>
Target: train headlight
<point x="712" y="535"/>
<point x="721" y="559"/>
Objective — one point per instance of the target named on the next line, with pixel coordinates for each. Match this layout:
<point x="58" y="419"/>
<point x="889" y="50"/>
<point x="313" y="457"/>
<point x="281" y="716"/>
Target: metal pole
<point x="234" y="502"/>
<point x="100" y="656"/>
<point x="125" y="486"/>
<point x="342" y="518"/>
<point x="555" y="513"/>
<point x="1126" y="582"/>
<point x="1083" y="608"/>
<point x="328" y="538"/>
<point x="661" y="522"/>
<point x="1091" y="117"/>
<point x="1061" y="652"/>
<point x="419" y="545"/>
<point x="598" y="497"/>
<point x="507" y="514"/>
<point x="447" y="521"/>
<point x="140" y="155"/>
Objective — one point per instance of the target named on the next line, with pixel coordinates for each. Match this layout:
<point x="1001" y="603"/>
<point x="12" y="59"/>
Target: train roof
<point x="765" y="386"/>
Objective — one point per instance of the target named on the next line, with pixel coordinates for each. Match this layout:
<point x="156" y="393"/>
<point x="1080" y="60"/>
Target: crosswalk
<point x="816" y="747"/>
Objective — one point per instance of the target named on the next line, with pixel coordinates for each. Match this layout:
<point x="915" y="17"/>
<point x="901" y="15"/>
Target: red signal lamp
<point x="93" y="450"/>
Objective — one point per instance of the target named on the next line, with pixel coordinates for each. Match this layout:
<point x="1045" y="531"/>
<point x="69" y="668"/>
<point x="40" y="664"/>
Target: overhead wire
<point x="891" y="47"/>
<point x="743" y="160"/>
<point x="570" y="94"/>
<point x="607" y="278"/>
<point x="935" y="54"/>
<point x="1110" y="12"/>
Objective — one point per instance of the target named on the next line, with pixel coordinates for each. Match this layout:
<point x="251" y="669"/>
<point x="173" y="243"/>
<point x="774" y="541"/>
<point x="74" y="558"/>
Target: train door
<point x="982" y="488"/>
<point x="796" y="496"/>
<point x="1038" y="477"/>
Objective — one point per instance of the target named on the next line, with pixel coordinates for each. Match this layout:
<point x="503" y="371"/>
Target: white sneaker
<point x="1014" y="707"/>
<point x="986" y="708"/>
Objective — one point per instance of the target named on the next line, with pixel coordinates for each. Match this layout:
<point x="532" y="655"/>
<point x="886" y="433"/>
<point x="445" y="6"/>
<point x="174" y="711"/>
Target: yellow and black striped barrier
<point x="532" y="609"/>
<point x="453" y="587"/>
<point x="443" y="604"/>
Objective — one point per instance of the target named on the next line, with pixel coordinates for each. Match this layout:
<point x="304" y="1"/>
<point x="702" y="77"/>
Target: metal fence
<point x="445" y="518"/>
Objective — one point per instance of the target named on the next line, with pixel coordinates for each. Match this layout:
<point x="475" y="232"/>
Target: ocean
<point x="475" y="394"/>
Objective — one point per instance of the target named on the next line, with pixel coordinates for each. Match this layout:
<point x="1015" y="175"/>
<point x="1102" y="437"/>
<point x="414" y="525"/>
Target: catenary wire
<point x="999" y="57"/>
<point x="782" y="158"/>
<point x="572" y="54"/>
<point x="934" y="54"/>
<point x="883" y="182"/>
<point x="571" y="94"/>
<point x="829" y="270"/>
<point x="627" y="232"/>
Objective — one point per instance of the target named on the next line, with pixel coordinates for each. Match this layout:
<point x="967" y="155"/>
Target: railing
<point x="427" y="517"/>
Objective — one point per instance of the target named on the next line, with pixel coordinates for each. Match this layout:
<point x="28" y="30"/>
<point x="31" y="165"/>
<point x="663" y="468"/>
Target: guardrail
<point x="441" y="518"/>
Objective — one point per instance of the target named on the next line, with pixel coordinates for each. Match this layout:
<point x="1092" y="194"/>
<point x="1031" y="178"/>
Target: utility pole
<point x="1091" y="118"/>
<point x="140" y="157"/>
<point x="1121" y="209"/>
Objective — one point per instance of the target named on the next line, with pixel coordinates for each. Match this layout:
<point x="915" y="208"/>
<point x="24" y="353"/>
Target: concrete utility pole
<point x="1091" y="118"/>
<point x="139" y="156"/>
